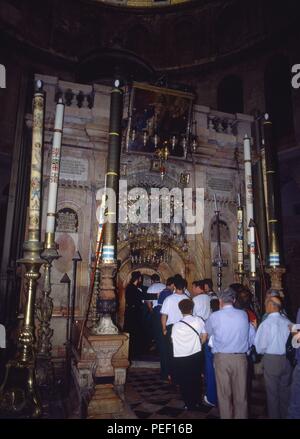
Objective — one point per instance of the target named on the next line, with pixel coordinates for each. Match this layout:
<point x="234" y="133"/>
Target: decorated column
<point x="18" y="395"/>
<point x="274" y="269"/>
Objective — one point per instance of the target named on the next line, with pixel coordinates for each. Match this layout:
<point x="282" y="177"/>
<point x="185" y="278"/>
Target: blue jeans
<point x="209" y="375"/>
<point x="294" y="406"/>
<point x="162" y="344"/>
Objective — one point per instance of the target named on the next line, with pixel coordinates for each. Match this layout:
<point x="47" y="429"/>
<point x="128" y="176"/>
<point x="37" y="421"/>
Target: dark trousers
<point x="294" y="407"/>
<point x="277" y="375"/>
<point x="209" y="375"/>
<point x="188" y="376"/>
<point x="2" y="365"/>
<point x="147" y="327"/>
<point x="161" y="343"/>
<point x="133" y="325"/>
<point x="169" y="353"/>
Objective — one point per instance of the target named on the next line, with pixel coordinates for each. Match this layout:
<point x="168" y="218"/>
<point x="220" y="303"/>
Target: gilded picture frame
<point x="161" y="112"/>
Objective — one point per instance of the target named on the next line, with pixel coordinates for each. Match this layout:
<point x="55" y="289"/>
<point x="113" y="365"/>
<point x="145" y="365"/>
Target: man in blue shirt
<point x="270" y="341"/>
<point x="229" y="329"/>
<point x="294" y="407"/>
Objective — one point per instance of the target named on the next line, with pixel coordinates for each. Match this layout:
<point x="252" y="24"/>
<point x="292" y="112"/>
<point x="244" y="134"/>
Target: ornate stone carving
<point x="276" y="274"/>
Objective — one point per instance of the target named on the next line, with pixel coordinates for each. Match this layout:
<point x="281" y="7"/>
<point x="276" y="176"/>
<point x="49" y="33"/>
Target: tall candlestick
<point x="240" y="242"/>
<point x="248" y="179"/>
<point x="249" y="202"/>
<point x="271" y="199"/>
<point x="36" y="164"/>
<point x="108" y="267"/>
<point x="20" y="377"/>
<point x="252" y="248"/>
<point x="55" y="162"/>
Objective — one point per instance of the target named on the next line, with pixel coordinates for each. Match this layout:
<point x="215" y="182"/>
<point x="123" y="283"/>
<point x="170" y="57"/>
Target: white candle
<point x="249" y="202"/>
<point x="248" y="179"/>
<point x="252" y="250"/>
<point x="55" y="162"/>
<point x="240" y="236"/>
<point x="215" y="200"/>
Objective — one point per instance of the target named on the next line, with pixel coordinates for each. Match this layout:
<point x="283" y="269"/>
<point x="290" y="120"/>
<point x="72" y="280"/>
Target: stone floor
<point x="150" y="398"/>
<point x="147" y="397"/>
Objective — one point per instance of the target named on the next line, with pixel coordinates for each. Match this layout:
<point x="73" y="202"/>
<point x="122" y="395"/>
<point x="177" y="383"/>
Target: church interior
<point x="186" y="104"/>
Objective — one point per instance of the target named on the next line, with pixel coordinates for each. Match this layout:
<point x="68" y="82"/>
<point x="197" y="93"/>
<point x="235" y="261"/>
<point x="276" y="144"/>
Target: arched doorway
<point x="176" y="265"/>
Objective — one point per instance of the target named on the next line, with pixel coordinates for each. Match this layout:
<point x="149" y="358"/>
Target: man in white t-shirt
<point x="201" y="300"/>
<point x="187" y="335"/>
<point x="155" y="288"/>
<point x="170" y="314"/>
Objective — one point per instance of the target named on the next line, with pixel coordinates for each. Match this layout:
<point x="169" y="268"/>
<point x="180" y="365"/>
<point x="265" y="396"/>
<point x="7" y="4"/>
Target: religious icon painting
<point x="158" y="115"/>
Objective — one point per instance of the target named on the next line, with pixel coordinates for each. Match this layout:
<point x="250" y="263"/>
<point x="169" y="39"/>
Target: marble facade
<point x="84" y="150"/>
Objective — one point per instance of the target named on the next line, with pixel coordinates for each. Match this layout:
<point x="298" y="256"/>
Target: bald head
<point x="273" y="304"/>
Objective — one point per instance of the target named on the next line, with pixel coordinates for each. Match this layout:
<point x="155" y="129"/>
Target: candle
<point x="215" y="200"/>
<point x="173" y="142"/>
<point x="36" y="163"/>
<point x="248" y="179"/>
<point x="252" y="250"/>
<point x="240" y="238"/>
<point x="249" y="203"/>
<point x="55" y="162"/>
<point x="239" y="200"/>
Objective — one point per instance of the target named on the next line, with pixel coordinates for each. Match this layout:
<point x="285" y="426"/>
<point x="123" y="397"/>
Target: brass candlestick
<point x="18" y="393"/>
<point x="44" y="308"/>
<point x="275" y="268"/>
<point x="95" y="295"/>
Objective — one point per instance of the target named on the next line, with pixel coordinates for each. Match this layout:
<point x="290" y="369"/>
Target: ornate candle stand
<point x="45" y="303"/>
<point x="44" y="308"/>
<point x="275" y="269"/>
<point x="108" y="265"/>
<point x="18" y="393"/>
<point x="218" y="261"/>
<point x="102" y="349"/>
<point x="95" y="295"/>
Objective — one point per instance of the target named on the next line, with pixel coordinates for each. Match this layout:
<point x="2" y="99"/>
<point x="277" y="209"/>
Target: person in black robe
<point x="134" y="322"/>
<point x="133" y="314"/>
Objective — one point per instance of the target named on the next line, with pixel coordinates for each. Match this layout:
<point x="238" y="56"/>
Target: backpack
<point x="290" y="351"/>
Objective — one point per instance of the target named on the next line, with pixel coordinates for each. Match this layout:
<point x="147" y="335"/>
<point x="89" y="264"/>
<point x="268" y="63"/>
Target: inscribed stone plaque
<point x="73" y="169"/>
<point x="67" y="220"/>
<point x="220" y="184"/>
